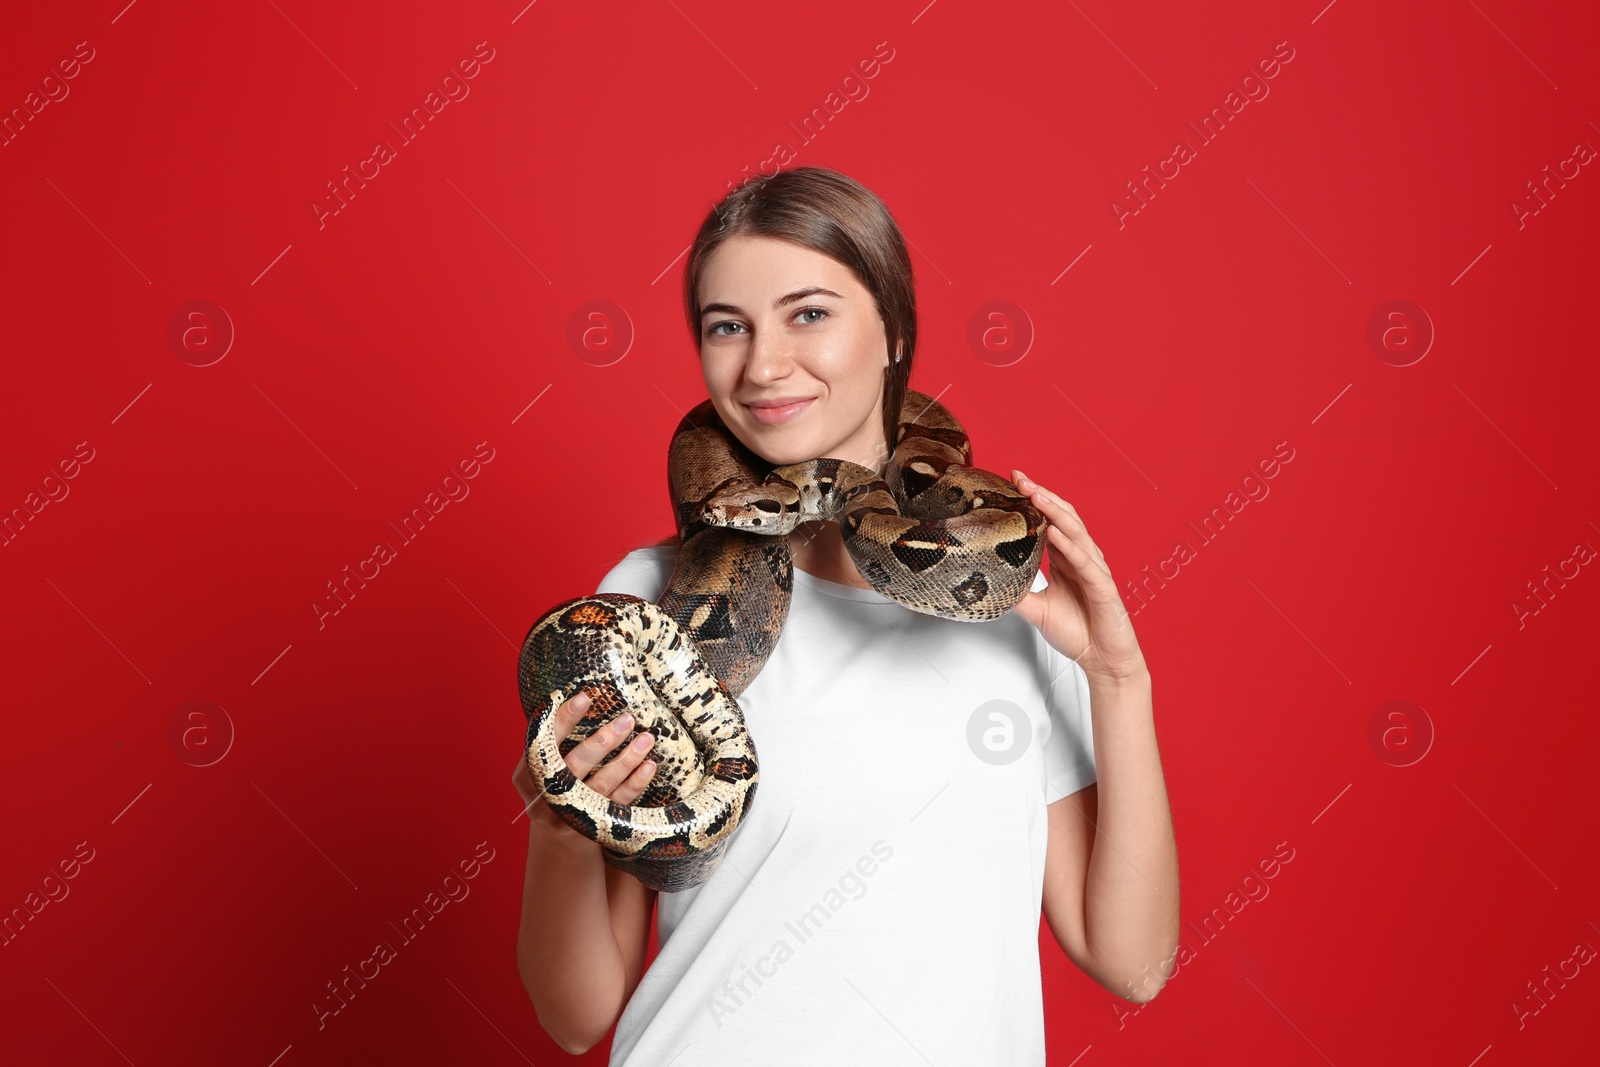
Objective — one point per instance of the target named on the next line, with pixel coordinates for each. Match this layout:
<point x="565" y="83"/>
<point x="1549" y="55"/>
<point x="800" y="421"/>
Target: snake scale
<point x="934" y="534"/>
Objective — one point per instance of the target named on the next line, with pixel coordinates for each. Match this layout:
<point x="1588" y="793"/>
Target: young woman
<point x="927" y="785"/>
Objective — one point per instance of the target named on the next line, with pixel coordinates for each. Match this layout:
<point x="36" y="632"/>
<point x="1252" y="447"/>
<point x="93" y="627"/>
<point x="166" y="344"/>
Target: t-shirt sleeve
<point x="642" y="573"/>
<point x="1069" y="750"/>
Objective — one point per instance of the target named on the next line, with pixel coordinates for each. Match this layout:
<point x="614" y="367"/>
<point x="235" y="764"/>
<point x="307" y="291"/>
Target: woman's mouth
<point x="773" y="415"/>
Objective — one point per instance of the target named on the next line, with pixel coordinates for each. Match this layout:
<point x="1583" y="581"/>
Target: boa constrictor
<point x="934" y="534"/>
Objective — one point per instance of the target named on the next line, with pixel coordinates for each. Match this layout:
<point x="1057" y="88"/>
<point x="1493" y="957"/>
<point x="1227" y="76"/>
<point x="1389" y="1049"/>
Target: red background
<point x="372" y="754"/>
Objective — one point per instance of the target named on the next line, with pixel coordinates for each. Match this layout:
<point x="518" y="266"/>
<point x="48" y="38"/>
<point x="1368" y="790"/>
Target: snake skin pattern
<point x="934" y="534"/>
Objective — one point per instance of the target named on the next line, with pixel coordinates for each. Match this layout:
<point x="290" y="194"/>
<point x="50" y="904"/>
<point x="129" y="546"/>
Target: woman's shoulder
<point x="644" y="571"/>
<point x="664" y="550"/>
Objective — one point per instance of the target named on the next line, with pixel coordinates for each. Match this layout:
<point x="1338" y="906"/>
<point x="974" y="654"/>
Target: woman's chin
<point x="785" y="457"/>
<point x="761" y="440"/>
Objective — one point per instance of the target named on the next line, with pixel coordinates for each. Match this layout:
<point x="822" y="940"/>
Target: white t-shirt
<point x="880" y="901"/>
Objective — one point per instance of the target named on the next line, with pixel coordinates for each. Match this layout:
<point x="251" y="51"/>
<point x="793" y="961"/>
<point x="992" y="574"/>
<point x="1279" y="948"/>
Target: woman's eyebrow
<point x="789" y="298"/>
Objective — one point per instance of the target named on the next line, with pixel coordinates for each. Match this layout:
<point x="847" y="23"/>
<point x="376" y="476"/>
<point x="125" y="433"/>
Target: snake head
<point x="769" y="508"/>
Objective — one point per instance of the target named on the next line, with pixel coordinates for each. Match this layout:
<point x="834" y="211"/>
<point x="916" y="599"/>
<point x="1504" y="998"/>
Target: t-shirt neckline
<point x="839" y="589"/>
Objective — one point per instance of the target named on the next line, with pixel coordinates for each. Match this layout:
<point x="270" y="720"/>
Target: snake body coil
<point x="934" y="534"/>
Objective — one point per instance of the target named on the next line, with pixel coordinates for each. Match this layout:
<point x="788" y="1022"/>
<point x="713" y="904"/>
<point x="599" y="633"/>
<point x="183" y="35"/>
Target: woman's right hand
<point x="621" y="780"/>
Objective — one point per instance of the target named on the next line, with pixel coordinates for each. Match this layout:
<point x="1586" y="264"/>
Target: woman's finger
<point x="584" y="757"/>
<point x="629" y="790"/>
<point x="1055" y="509"/>
<point x="1031" y="487"/>
<point x="1082" y="541"/>
<point x="587" y="756"/>
<point x="1076" y="554"/>
<point x="1061" y="515"/>
<point x="613" y="774"/>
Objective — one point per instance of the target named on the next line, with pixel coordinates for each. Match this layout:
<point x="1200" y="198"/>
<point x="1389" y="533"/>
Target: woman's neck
<point x="818" y="549"/>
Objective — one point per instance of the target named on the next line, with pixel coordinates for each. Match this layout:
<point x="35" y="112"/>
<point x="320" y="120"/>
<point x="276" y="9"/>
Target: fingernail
<point x="624" y="724"/>
<point x="1022" y="477"/>
<point x="642" y="742"/>
<point x="581" y="700"/>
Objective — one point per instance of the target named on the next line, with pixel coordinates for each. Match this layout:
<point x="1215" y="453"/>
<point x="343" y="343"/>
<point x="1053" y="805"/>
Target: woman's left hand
<point x="1080" y="613"/>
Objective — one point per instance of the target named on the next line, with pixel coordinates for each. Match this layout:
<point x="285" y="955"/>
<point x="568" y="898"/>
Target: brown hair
<point x="827" y="212"/>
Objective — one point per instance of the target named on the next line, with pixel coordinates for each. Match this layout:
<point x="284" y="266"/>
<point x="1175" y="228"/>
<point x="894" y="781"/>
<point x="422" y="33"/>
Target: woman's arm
<point x="585" y="925"/>
<point x="584" y="934"/>
<point x="1111" y="866"/>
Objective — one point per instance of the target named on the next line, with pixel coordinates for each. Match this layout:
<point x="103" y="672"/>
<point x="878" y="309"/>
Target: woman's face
<point x="780" y="322"/>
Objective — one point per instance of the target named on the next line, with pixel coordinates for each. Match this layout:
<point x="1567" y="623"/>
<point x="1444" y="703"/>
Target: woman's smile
<point x="779" y="409"/>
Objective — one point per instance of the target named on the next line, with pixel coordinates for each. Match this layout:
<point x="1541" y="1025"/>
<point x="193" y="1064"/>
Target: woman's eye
<point x="716" y="329"/>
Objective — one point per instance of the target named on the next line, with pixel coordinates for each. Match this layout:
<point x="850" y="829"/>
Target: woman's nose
<point x="769" y="358"/>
